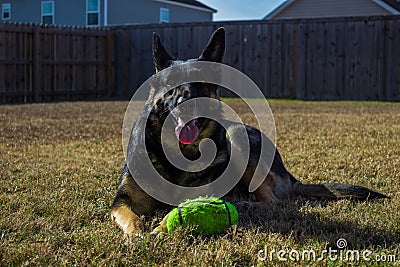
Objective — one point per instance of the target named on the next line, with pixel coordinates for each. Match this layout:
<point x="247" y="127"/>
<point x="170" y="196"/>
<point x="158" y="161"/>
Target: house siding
<point x="184" y="14"/>
<point x="73" y="12"/>
<point x="19" y="10"/>
<point x="149" y="12"/>
<point x="329" y="8"/>
<point x="66" y="12"/>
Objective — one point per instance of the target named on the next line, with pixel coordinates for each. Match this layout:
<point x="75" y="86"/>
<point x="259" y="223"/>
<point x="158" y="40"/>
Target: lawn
<point x="59" y="166"/>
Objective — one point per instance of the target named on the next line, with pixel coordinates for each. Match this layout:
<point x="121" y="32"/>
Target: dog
<point x="131" y="201"/>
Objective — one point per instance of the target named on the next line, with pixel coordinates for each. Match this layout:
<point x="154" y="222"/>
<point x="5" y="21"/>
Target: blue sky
<point x="241" y="9"/>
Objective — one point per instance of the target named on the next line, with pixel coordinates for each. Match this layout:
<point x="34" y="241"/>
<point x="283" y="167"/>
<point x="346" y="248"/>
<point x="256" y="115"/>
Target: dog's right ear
<point x="161" y="57"/>
<point x="215" y="48"/>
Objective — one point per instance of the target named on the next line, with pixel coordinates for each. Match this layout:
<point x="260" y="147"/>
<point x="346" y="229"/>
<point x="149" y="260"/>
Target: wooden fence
<point x="311" y="59"/>
<point x="42" y="63"/>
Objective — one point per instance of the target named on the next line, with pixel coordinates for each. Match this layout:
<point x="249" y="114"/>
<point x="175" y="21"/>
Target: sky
<point x="241" y="9"/>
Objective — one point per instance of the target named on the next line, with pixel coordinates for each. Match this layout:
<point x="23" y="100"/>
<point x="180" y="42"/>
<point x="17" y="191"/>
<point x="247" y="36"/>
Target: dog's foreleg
<point x="162" y="227"/>
<point x="129" y="203"/>
<point x="128" y="221"/>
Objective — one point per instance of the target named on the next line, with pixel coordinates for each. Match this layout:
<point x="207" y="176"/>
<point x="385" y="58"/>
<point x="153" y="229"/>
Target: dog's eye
<point x="159" y="104"/>
<point x="186" y="93"/>
<point x="168" y="93"/>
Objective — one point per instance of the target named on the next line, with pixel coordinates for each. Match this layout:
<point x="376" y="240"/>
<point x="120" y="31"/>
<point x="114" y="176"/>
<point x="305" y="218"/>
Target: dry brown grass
<point x="59" y="166"/>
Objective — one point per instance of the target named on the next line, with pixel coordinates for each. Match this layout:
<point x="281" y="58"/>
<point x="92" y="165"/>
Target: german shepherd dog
<point x="131" y="201"/>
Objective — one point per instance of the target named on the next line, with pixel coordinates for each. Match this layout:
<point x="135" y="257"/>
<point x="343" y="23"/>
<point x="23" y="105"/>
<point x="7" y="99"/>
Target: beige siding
<point x="330" y="8"/>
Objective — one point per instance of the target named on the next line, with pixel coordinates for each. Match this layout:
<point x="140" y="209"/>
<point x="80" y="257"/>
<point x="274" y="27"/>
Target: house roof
<point x="189" y="3"/>
<point x="391" y="6"/>
<point x="393" y="3"/>
<point x="278" y="9"/>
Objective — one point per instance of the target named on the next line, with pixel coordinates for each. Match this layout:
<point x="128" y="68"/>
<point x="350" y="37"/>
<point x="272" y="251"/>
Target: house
<point x="105" y="12"/>
<point x="291" y="9"/>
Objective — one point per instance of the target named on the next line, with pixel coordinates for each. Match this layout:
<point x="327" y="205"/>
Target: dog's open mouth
<point x="186" y="131"/>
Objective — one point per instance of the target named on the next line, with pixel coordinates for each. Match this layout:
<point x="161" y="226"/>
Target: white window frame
<point x="52" y="14"/>
<point x="5" y="6"/>
<point x="92" y="12"/>
<point x="164" y="9"/>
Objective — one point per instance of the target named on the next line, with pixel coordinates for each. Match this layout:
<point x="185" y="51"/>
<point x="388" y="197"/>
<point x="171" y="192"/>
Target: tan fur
<point x="126" y="214"/>
<point x="162" y="227"/>
<point x="128" y="221"/>
<point x="265" y="193"/>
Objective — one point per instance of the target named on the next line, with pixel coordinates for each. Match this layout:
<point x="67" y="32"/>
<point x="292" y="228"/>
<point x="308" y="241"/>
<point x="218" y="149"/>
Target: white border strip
<point x="185" y="5"/>
<point x="105" y="12"/>
<point x="386" y="6"/>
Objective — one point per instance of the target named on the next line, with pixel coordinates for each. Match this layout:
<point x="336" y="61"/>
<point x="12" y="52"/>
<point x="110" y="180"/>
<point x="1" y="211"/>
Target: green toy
<point x="207" y="215"/>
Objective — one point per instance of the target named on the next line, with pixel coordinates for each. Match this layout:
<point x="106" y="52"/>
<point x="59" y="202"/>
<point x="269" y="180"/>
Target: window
<point x="164" y="15"/>
<point x="48" y="12"/>
<point x="92" y="12"/>
<point x="6" y="11"/>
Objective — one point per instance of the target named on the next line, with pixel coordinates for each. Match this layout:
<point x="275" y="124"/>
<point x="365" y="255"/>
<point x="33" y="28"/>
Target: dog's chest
<point x="187" y="178"/>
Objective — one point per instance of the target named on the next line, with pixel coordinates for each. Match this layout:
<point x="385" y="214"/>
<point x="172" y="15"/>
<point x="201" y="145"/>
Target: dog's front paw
<point x="128" y="221"/>
<point x="161" y="229"/>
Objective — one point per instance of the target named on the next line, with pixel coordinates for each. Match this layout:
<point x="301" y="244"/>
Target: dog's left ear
<point x="161" y="57"/>
<point x="215" y="48"/>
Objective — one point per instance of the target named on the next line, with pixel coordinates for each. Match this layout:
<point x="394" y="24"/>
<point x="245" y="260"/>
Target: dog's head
<point x="165" y="100"/>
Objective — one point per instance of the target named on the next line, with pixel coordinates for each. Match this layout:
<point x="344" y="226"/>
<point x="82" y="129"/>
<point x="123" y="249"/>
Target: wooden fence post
<point x="110" y="83"/>
<point x="36" y="71"/>
<point x="122" y="62"/>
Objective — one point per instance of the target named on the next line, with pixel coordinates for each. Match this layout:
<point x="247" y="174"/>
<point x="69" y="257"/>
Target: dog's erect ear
<point x="215" y="48"/>
<point x="161" y="57"/>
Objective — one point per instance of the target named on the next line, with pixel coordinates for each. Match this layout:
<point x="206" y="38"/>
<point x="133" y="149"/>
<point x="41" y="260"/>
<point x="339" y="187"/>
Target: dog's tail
<point x="336" y="191"/>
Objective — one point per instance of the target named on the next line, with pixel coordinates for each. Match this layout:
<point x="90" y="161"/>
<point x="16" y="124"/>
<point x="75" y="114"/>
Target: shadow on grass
<point x="297" y="219"/>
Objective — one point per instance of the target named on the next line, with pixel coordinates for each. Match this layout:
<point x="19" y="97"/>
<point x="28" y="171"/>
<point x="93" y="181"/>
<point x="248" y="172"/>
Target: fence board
<point x="310" y="84"/>
<point x="287" y="51"/>
<point x="372" y="62"/>
<point x="396" y="66"/>
<point x="36" y="54"/>
<point x="45" y="63"/>
<point x="299" y="61"/>
<point x="379" y="59"/>
<point x="276" y="50"/>
<point x="359" y="58"/>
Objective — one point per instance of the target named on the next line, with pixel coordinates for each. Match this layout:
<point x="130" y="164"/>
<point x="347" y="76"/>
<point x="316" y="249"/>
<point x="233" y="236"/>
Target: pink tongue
<point x="186" y="133"/>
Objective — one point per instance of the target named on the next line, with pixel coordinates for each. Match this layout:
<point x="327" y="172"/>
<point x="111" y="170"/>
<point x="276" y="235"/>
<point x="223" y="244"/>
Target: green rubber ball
<point x="206" y="215"/>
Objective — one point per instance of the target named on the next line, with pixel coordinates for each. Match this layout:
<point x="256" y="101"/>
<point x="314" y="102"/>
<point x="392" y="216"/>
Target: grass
<point x="59" y="166"/>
